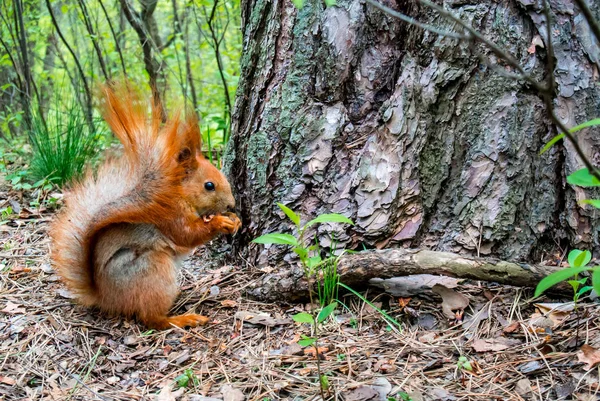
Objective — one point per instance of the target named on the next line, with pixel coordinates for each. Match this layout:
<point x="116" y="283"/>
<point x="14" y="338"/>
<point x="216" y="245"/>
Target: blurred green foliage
<point x="183" y="30"/>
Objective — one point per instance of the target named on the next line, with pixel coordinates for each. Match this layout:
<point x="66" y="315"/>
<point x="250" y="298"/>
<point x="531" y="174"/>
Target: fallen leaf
<point x="589" y="355"/>
<point x="494" y="344"/>
<point x="551" y="307"/>
<point x="311" y="352"/>
<point x="428" y="337"/>
<point x="13" y="308"/>
<point x="304" y="371"/>
<point x="402" y="302"/>
<point x="167" y="395"/>
<point x="556" y="312"/>
<point x="228" y="303"/>
<point x="451" y="300"/>
<point x="198" y="397"/>
<point x="362" y="393"/>
<point x="232" y="394"/>
<point x="441" y="394"/>
<point x="131" y="340"/>
<point x="260" y="318"/>
<point x="523" y="387"/>
<point x="511" y="328"/>
<point x="7" y="380"/>
<point x="471" y="324"/>
<point x="382" y="386"/>
<point x="288" y="350"/>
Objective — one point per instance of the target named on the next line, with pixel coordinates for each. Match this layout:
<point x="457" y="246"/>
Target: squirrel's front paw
<point x="228" y="223"/>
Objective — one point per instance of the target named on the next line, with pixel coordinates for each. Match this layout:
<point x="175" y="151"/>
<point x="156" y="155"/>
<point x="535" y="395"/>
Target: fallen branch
<point x="359" y="267"/>
<point x="356" y="270"/>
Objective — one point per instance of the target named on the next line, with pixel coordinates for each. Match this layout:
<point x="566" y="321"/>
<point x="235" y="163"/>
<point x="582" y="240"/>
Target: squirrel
<point x="123" y="231"/>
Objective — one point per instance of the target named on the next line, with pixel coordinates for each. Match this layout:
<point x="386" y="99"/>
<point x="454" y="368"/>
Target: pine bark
<point x="345" y="109"/>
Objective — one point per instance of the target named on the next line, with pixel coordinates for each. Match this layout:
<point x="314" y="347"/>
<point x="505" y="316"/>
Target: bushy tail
<point x="142" y="186"/>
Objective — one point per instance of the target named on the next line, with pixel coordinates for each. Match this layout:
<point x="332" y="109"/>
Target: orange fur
<point x="117" y="241"/>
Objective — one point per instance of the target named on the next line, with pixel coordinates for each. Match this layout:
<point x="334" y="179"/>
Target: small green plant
<point x="327" y="288"/>
<point x="7" y="212"/>
<point x="312" y="263"/>
<point x="464" y="363"/>
<point x="582" y="177"/>
<point x="578" y="263"/>
<point x="62" y="145"/>
<point x="187" y="379"/>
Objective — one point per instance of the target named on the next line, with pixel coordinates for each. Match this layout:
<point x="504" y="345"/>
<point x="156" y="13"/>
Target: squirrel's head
<point x="205" y="188"/>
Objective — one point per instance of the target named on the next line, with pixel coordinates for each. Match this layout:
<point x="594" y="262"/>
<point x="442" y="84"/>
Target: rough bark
<point x="347" y="110"/>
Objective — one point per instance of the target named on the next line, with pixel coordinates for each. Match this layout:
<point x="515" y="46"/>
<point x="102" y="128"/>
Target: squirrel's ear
<point x="192" y="137"/>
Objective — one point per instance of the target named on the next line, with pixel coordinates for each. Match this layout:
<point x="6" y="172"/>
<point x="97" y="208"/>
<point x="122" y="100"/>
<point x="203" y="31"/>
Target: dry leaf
<point x="523" y="387"/>
<point x="232" y="394"/>
<point x="311" y="351"/>
<point x="261" y="318"/>
<point x="494" y="344"/>
<point x="7" y="380"/>
<point x="451" y="300"/>
<point x="362" y="393"/>
<point x="167" y="395"/>
<point x="228" y="303"/>
<point x="589" y="355"/>
<point x="402" y="302"/>
<point x="511" y="328"/>
<point x="13" y="308"/>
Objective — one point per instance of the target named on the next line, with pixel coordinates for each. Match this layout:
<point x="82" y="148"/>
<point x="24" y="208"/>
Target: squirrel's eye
<point x="209" y="186"/>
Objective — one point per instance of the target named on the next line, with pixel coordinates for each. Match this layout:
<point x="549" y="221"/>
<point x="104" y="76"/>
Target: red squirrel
<point x="119" y="239"/>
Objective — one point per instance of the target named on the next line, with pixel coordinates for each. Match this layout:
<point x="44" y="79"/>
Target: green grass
<point x="62" y="145"/>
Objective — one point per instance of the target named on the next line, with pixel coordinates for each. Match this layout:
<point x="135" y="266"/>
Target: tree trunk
<point x="345" y="109"/>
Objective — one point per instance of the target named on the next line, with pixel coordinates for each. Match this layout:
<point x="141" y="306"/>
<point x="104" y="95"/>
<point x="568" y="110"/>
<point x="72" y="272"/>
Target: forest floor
<point x="504" y="346"/>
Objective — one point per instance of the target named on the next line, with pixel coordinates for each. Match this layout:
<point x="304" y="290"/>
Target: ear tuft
<point x="184" y="155"/>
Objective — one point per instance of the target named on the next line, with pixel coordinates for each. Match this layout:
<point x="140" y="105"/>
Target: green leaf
<point x="290" y="214"/>
<point x="298" y="3"/>
<point x="326" y="311"/>
<point x="330" y="218"/>
<point x="579" y="258"/>
<point x="574" y="284"/>
<point x="306" y="341"/>
<point x="330" y="3"/>
<point x="583" y="290"/>
<point x="596" y="280"/>
<point x="557" y="277"/>
<point x="573" y="130"/>
<point x="39" y="183"/>
<point x="324" y="382"/>
<point x="301" y="252"/>
<point x="583" y="178"/>
<point x="303" y="317"/>
<point x="276" y="238"/>
<point x="313" y="261"/>
<point x="593" y="202"/>
<point x="464" y="363"/>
